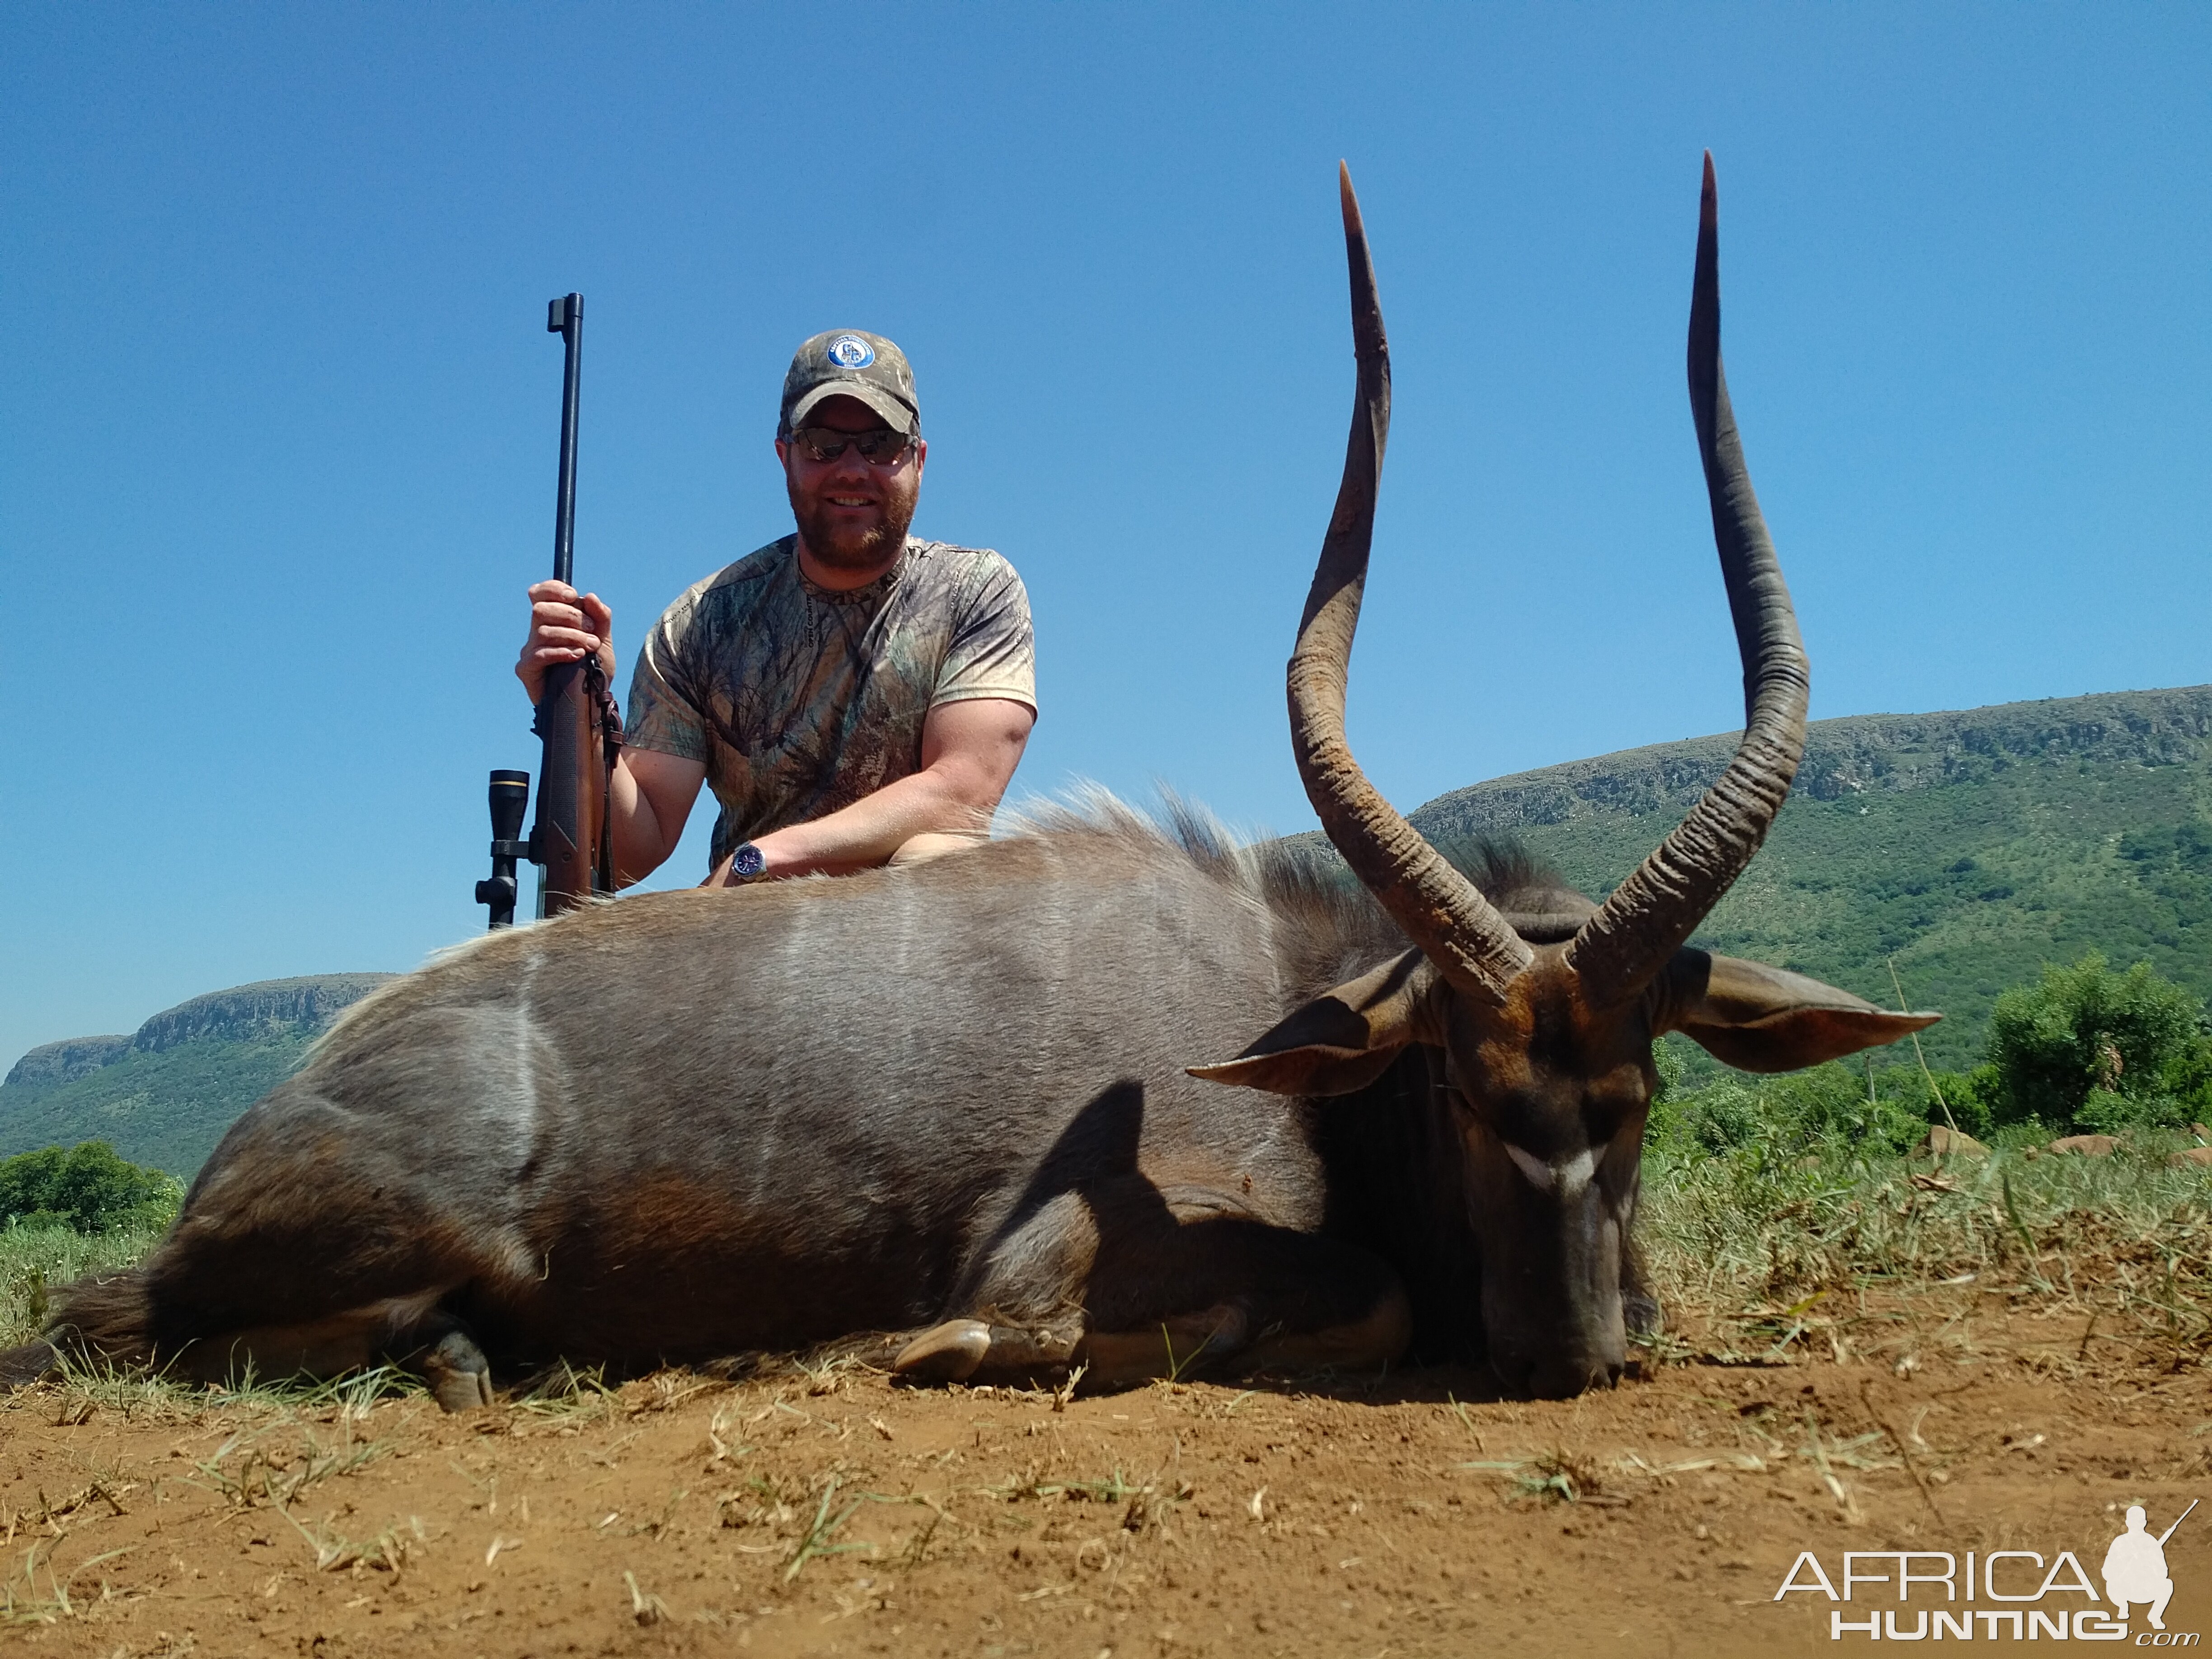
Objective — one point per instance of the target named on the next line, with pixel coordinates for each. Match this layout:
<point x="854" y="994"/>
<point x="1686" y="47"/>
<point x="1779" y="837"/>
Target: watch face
<point x="747" y="862"/>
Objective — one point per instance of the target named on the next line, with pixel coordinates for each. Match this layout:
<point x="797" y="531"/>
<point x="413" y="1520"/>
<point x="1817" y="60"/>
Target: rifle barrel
<point x="565" y="316"/>
<point x="2177" y="1520"/>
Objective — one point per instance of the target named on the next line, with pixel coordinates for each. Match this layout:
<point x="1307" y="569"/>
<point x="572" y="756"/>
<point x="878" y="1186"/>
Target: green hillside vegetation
<point x="167" y="1110"/>
<point x="164" y="1095"/>
<point x="1968" y="849"/>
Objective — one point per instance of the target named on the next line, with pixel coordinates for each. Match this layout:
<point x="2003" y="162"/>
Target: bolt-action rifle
<point x="576" y="719"/>
<point x="2177" y="1520"/>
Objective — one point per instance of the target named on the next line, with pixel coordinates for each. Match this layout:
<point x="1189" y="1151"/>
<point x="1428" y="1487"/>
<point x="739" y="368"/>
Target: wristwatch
<point x="748" y="863"/>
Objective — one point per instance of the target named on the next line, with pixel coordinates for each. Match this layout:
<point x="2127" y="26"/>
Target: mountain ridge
<point x="1850" y="755"/>
<point x="241" y="1014"/>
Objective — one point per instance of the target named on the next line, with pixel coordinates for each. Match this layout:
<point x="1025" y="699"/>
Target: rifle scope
<point x="510" y="798"/>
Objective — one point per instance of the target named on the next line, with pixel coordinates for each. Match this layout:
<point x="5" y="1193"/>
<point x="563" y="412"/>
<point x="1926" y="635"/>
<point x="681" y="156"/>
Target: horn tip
<point x="1709" y="197"/>
<point x="1348" y="198"/>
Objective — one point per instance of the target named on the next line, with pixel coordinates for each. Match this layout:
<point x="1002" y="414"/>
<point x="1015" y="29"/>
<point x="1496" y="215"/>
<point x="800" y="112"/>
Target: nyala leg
<point x="1640" y="1304"/>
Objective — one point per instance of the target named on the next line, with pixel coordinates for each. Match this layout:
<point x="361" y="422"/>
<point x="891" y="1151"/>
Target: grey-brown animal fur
<point x="609" y="1138"/>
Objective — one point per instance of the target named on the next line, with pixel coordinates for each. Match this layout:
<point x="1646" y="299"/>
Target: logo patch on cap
<point x="851" y="351"/>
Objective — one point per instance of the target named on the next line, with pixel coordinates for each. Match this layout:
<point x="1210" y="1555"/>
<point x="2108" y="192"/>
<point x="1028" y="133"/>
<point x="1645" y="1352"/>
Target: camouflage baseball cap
<point x="851" y="362"/>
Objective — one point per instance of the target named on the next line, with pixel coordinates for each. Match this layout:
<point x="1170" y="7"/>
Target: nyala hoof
<point x="944" y="1353"/>
<point x="459" y="1374"/>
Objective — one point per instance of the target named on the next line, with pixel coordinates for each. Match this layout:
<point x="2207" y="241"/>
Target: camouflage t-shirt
<point x="800" y="701"/>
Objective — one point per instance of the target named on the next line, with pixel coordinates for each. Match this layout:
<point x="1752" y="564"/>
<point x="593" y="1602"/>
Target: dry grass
<point x="1771" y="1257"/>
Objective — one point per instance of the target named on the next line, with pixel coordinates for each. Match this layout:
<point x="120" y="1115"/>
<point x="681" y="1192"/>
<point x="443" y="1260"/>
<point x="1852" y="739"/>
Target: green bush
<point x="1968" y="1096"/>
<point x="1787" y="1116"/>
<point x="2107" y="1112"/>
<point x="2189" y="1075"/>
<point x="86" y="1188"/>
<point x="1720" y="1116"/>
<point x="2090" y="1048"/>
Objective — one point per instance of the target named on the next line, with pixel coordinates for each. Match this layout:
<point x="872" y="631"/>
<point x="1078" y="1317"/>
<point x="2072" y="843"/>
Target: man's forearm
<point x="969" y="748"/>
<point x="938" y="799"/>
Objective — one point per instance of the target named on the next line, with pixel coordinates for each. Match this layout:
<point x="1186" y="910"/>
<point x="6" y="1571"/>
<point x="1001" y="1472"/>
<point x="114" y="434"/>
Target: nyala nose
<point x="1566" y="1378"/>
<point x="1557" y="1377"/>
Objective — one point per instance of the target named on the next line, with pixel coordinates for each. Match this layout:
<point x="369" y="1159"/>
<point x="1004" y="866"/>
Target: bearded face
<point x="852" y="512"/>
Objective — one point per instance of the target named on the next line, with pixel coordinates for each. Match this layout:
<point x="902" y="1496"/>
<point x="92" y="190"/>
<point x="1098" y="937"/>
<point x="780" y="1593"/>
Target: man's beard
<point x="855" y="551"/>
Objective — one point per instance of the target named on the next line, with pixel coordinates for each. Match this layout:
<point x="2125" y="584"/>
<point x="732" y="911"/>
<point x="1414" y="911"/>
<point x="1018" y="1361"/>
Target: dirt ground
<point x="828" y="1512"/>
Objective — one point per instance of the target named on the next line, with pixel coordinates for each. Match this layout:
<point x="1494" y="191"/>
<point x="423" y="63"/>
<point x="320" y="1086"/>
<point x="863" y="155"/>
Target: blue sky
<point x="277" y="428"/>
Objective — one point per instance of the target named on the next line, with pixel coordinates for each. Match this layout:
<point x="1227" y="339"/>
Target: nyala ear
<point x="1345" y="1038"/>
<point x="1758" y="1019"/>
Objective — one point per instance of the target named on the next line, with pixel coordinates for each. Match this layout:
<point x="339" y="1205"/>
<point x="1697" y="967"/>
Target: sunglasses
<point x="880" y="447"/>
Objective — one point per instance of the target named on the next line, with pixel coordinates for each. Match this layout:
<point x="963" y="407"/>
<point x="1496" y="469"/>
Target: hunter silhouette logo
<point x="2135" y="1566"/>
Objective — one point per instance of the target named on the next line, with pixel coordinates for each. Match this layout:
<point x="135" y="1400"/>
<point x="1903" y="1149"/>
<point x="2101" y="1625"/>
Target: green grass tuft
<point x="34" y="1260"/>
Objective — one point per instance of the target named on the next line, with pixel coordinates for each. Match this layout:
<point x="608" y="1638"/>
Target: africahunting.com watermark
<point x="2034" y="1600"/>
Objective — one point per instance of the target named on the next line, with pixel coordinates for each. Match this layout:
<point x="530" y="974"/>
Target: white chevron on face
<point x="1566" y="1179"/>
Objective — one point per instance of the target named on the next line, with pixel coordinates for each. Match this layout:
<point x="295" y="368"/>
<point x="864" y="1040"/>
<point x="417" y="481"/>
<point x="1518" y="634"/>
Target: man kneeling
<point x="853" y="695"/>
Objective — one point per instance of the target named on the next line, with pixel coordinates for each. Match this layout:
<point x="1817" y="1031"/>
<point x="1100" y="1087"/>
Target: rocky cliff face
<point x="52" y="1064"/>
<point x="243" y="1014"/>
<point x="248" y="1012"/>
<point x="1858" y="755"/>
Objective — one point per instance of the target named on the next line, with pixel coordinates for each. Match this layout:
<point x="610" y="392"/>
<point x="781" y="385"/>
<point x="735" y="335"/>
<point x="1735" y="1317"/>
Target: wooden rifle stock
<point x="571" y="791"/>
